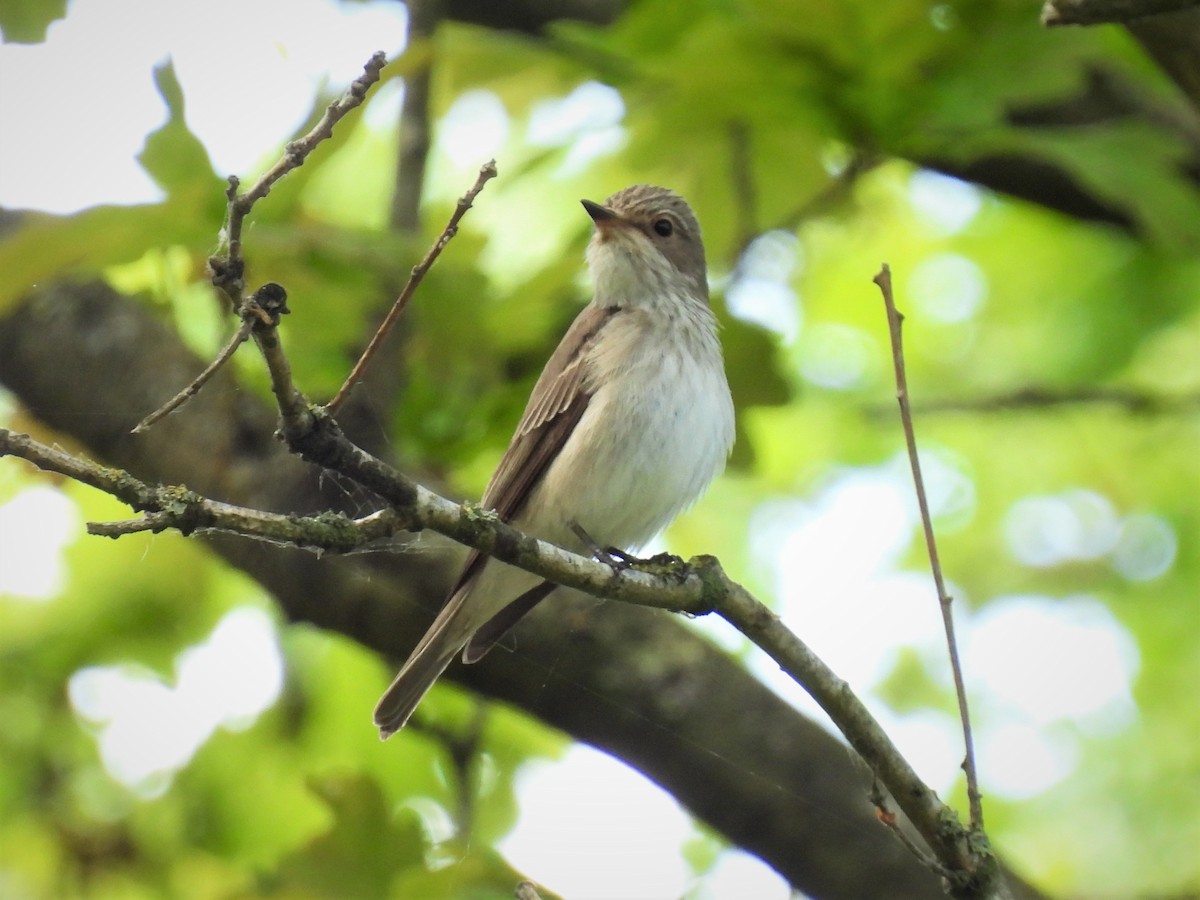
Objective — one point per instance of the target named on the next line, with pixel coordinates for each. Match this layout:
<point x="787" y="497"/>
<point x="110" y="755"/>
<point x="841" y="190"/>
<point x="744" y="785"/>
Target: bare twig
<point x="486" y="173"/>
<point x="228" y="269"/>
<point x="895" y="325"/>
<point x="260" y="315"/>
<point x="239" y="337"/>
<point x="227" y="275"/>
<point x="298" y="150"/>
<point x="151" y="521"/>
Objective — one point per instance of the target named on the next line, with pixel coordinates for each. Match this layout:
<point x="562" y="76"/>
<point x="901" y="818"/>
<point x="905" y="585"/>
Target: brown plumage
<point x="585" y="443"/>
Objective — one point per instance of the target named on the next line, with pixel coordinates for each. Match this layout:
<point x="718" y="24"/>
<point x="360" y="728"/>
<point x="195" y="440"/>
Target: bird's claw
<point x="616" y="559"/>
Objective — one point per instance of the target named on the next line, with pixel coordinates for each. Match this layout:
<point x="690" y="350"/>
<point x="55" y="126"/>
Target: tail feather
<point x="406" y="691"/>
<point x="473" y="603"/>
<point x="498" y="626"/>
<point x="429" y="659"/>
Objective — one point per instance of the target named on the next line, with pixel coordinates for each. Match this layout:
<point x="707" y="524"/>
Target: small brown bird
<point x="627" y="425"/>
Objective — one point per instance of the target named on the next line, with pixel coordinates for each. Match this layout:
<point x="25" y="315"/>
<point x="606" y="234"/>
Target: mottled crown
<point x="645" y="204"/>
<point x="647" y="201"/>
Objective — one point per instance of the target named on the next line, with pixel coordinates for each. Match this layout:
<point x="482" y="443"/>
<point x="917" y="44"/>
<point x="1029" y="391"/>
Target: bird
<point x="629" y="422"/>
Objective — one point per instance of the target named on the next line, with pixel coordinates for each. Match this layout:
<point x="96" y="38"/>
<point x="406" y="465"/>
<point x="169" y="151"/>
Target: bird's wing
<point x="555" y="406"/>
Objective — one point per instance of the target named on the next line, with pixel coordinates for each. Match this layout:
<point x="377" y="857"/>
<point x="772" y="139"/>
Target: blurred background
<point x="191" y="717"/>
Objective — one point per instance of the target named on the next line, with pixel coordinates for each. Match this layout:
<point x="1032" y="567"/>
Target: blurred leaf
<point x="173" y="156"/>
<point x="257" y="827"/>
<point x="46" y="246"/>
<point x="26" y="21"/>
<point x="359" y="853"/>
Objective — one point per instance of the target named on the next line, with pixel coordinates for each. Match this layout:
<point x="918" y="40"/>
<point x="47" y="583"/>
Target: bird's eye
<point x="663" y="227"/>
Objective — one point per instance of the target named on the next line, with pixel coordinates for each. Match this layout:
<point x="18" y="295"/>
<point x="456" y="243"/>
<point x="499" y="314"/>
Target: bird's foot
<point x="615" y="559"/>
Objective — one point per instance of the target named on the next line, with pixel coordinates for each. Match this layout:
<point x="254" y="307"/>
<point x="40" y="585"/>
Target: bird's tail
<point x="423" y="668"/>
<point x="476" y="599"/>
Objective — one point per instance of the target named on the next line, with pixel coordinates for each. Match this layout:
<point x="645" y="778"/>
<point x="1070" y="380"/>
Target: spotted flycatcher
<point x="627" y="425"/>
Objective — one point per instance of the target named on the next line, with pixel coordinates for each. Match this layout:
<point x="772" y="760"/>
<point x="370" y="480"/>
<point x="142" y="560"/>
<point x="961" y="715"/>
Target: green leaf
<point x="26" y="21"/>
<point x="47" y="247"/>
<point x="172" y="155"/>
<point x="358" y="854"/>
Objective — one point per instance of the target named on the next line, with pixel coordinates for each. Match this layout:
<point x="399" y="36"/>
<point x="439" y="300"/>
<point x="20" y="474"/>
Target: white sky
<point x="95" y="73"/>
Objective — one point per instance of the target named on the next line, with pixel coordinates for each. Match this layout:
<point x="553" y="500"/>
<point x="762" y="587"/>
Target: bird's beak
<point x="601" y="215"/>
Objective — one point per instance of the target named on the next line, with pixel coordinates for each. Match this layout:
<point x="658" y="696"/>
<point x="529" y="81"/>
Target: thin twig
<point x="263" y="308"/>
<point x="228" y="268"/>
<point x="239" y="338"/>
<point x="298" y="150"/>
<point x="486" y="173"/>
<point x="151" y="521"/>
<point x="895" y="325"/>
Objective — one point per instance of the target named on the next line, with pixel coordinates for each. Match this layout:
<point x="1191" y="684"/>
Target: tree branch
<point x="695" y="722"/>
<point x="1095" y="12"/>
<point x="696" y="588"/>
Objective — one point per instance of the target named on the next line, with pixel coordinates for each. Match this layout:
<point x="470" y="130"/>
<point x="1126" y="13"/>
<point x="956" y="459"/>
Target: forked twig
<point x="263" y="308"/>
<point x="895" y="324"/>
<point x="486" y="173"/>
<point x="228" y="270"/>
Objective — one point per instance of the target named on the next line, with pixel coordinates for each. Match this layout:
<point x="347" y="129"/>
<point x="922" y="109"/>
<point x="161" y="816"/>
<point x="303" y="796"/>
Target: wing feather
<point x="555" y="406"/>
